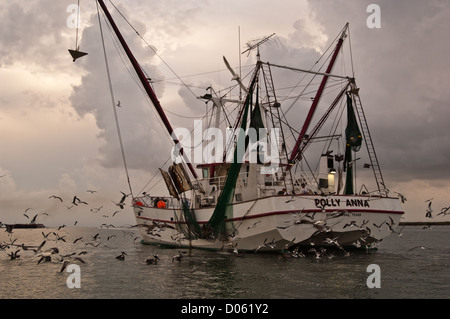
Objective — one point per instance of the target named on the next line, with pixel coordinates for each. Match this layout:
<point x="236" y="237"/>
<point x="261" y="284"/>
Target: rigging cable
<point x="114" y="104"/>
<point x="323" y="63"/>
<point x="154" y="51"/>
<point x="178" y="77"/>
<point x="351" y="53"/>
<point x="78" y="25"/>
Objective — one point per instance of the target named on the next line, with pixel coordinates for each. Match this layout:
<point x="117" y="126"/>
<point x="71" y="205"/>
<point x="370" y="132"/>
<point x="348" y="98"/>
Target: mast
<point x="295" y="152"/>
<point x="146" y="85"/>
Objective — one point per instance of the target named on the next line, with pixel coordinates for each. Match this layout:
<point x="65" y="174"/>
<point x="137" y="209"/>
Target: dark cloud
<point x="141" y="132"/>
<point x="402" y="70"/>
<point x="31" y="32"/>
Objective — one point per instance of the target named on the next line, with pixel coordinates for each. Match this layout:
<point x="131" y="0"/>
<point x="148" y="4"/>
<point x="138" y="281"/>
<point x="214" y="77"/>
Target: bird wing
<point x="41" y="245"/>
<point x="235" y="76"/>
<point x="66" y="262"/>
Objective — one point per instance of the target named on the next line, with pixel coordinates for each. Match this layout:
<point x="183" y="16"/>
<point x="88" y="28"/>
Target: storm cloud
<point x="58" y="132"/>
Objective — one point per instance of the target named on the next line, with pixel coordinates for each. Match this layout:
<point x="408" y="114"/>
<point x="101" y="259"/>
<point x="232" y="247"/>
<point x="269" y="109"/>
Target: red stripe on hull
<point x="306" y="211"/>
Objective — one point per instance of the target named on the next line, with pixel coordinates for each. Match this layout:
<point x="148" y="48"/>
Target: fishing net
<point x="187" y="224"/>
<point x="217" y="226"/>
<point x="353" y="143"/>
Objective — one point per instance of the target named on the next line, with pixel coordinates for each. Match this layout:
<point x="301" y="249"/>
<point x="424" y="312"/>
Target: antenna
<point x="256" y="43"/>
<point x="240" y="65"/>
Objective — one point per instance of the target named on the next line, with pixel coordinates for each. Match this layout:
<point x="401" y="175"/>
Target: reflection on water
<point x="411" y="267"/>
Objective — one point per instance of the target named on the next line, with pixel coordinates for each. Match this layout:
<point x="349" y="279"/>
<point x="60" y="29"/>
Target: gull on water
<point x="121" y="256"/>
<point x="177" y="257"/>
<point x="152" y="260"/>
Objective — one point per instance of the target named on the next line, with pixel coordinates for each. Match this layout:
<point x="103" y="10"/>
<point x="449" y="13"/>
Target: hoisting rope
<point x="78" y="22"/>
<point x="114" y="104"/>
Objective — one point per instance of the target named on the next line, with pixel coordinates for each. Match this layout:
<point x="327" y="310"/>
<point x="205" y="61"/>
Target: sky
<point x="58" y="135"/>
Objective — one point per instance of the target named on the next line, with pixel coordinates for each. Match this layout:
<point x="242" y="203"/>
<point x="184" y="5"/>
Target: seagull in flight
<point x="77" y="239"/>
<point x="332" y="241"/>
<point x="9" y="228"/>
<point x="352" y="223"/>
<point x="292" y="198"/>
<point x="429" y="211"/>
<point x="444" y="211"/>
<point x="379" y="226"/>
<point x="34" y="219"/>
<point x="253" y="225"/>
<point x="402" y="197"/>
<point x="271" y="244"/>
<point x="77" y="201"/>
<point x="47" y="255"/>
<point x="66" y="263"/>
<point x="25" y="213"/>
<point x="46" y="236"/>
<point x="14" y="255"/>
<point x="121" y="204"/>
<point x="262" y="245"/>
<point x="57" y="197"/>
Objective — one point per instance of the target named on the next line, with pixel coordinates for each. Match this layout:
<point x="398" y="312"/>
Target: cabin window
<point x="323" y="183"/>
<point x="330" y="162"/>
<point x="205" y="172"/>
<point x="268" y="180"/>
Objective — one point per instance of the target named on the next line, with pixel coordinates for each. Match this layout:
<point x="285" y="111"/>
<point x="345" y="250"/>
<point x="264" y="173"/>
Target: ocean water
<point x="415" y="265"/>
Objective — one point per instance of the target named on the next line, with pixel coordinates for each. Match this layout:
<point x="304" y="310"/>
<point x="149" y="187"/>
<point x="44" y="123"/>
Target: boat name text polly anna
<point x="336" y="202"/>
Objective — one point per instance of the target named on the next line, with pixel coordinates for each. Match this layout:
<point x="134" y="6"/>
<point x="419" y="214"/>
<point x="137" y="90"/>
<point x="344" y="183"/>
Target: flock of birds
<point x="42" y="254"/>
<point x="429" y="212"/>
<point x="76" y="201"/>
<point x="53" y="254"/>
<point x="322" y="226"/>
<point x="49" y="250"/>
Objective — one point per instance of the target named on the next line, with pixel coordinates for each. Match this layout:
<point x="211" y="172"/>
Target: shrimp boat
<point x="277" y="182"/>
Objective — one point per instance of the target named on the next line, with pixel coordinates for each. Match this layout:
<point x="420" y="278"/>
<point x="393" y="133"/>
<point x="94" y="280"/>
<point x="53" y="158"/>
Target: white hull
<point x="278" y="222"/>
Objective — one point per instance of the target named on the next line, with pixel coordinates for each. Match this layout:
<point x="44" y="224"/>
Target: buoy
<point x="76" y="54"/>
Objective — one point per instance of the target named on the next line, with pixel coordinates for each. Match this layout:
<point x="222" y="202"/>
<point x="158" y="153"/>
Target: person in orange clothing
<point x="161" y="204"/>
